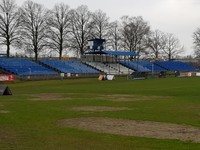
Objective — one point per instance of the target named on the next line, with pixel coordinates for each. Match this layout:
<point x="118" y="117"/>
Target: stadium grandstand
<point x="95" y="61"/>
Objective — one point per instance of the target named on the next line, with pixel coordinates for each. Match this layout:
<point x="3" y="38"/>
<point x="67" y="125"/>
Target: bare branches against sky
<point x="180" y="17"/>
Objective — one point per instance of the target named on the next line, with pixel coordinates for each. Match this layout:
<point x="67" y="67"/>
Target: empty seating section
<point x="101" y="66"/>
<point x="151" y="66"/>
<point x="176" y="66"/>
<point x="21" y="66"/>
<point x="125" y="70"/>
<point x="120" y="69"/>
<point x="135" y="65"/>
<point x="110" y="68"/>
<point x="70" y="66"/>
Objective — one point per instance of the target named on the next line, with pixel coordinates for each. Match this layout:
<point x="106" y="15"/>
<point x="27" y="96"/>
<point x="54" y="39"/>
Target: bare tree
<point x="81" y="28"/>
<point x="114" y="40"/>
<point x="59" y="28"/>
<point x="172" y="46"/>
<point x="101" y="24"/>
<point x="9" y="24"/>
<point x="134" y="31"/>
<point x="34" y="27"/>
<point x="155" y="43"/>
<point x="196" y="42"/>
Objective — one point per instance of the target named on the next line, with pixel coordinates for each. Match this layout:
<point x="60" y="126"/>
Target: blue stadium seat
<point x="135" y="65"/>
<point x="151" y="66"/>
<point x="176" y="66"/>
<point x="70" y="66"/>
<point x="22" y="66"/>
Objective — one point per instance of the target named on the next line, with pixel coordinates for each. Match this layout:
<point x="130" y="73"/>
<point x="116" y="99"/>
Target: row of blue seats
<point x="144" y="66"/>
<point x="12" y="62"/>
<point x="23" y="67"/>
<point x="28" y="67"/>
<point x="30" y="71"/>
<point x="151" y="66"/>
<point x="134" y="65"/>
<point x="176" y="66"/>
<point x="71" y="66"/>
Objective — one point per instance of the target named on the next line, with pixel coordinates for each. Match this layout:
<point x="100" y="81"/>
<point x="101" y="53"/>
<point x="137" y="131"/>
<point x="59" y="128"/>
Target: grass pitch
<point x="29" y="119"/>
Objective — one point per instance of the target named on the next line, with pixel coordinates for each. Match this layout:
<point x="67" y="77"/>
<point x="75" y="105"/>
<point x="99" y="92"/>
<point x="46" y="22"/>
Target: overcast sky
<point x="180" y="17"/>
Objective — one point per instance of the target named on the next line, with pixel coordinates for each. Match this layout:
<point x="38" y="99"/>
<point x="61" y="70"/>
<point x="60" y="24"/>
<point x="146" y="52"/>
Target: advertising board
<point x="6" y="77"/>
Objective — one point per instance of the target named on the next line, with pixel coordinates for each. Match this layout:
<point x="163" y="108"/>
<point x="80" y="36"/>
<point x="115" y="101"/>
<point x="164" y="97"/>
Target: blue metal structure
<point x="70" y="66"/>
<point x="176" y="66"/>
<point x="21" y="66"/>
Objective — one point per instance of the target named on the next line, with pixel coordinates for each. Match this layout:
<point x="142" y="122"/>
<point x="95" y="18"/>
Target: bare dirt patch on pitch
<point x="128" y="98"/>
<point x="98" y="108"/>
<point x="135" y="128"/>
<point x="4" y="112"/>
<point x="49" y="97"/>
<point x="6" y="135"/>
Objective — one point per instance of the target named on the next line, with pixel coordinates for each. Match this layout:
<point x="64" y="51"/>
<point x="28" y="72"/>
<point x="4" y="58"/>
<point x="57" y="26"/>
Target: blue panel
<point x="71" y="66"/>
<point x="176" y="66"/>
<point x="135" y="65"/>
<point x="20" y="66"/>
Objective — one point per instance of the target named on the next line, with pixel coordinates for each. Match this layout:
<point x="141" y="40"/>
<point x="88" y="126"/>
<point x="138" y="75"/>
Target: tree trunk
<point x="7" y="37"/>
<point x="60" y="52"/>
<point x="8" y="50"/>
<point x="169" y="57"/>
<point x="36" y="56"/>
<point x="60" y="55"/>
<point x="156" y="55"/>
